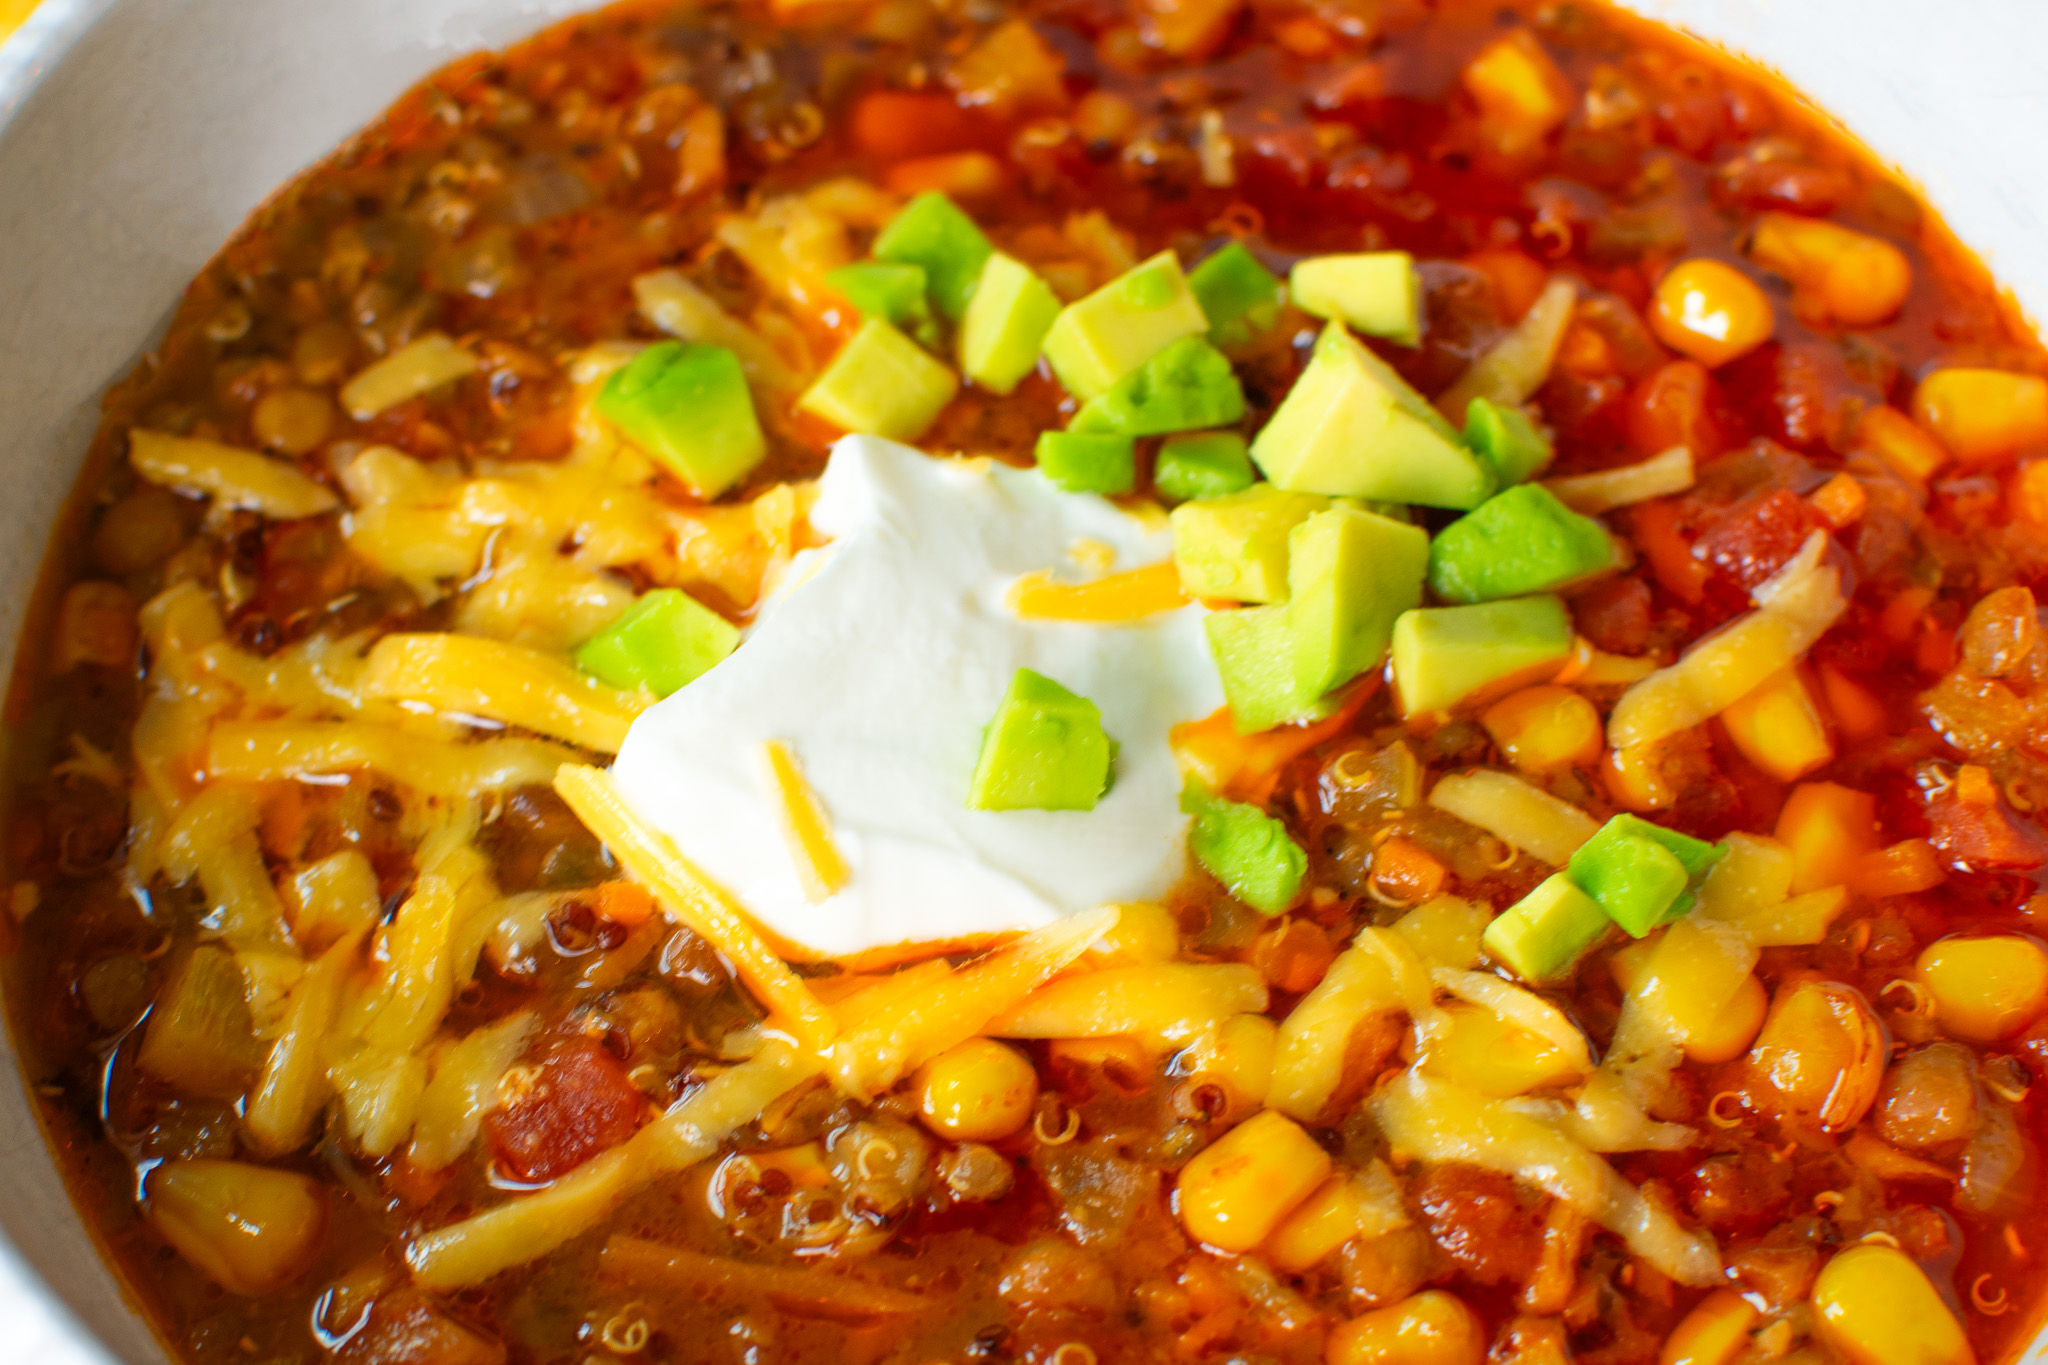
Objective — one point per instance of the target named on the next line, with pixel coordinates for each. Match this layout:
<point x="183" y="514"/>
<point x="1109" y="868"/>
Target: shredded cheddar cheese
<point x="1129" y="596"/>
<point x="806" y="828"/>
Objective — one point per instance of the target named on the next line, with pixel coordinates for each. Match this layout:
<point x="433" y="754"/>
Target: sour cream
<point x="879" y="663"/>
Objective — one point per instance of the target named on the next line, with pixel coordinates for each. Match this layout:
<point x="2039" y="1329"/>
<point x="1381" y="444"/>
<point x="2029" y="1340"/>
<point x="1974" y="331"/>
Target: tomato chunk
<point x="577" y="1103"/>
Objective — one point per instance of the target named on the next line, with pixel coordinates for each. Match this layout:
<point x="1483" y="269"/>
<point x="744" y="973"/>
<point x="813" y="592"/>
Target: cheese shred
<point x="806" y="828"/>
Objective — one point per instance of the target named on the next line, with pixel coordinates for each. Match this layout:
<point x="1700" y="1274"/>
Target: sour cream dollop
<point x="879" y="663"/>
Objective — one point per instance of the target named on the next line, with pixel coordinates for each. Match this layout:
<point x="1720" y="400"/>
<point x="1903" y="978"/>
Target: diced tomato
<point x="1664" y="545"/>
<point x="405" y="1327"/>
<point x="1615" y="615"/>
<point x="1674" y="406"/>
<point x="1975" y="830"/>
<point x="1758" y="535"/>
<point x="578" y="1103"/>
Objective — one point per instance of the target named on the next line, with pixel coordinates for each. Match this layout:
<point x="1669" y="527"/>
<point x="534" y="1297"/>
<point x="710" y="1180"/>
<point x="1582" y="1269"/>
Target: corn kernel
<point x="1636" y="780"/>
<point x="1985" y="989"/>
<point x="1325" y="1221"/>
<point x="1710" y="312"/>
<point x="1710" y="1334"/>
<point x="1983" y="415"/>
<point x="1894" y="438"/>
<point x="1850" y="277"/>
<point x="1878" y="1308"/>
<point x="1778" y="727"/>
<point x="1827" y="827"/>
<point x="1540" y="728"/>
<point x="1430" y="1328"/>
<point x="1237" y="1190"/>
<point x="977" y="1092"/>
<point x="1238" y="1053"/>
<point x="292" y="420"/>
<point x="1519" y="89"/>
<point x="1481" y="1051"/>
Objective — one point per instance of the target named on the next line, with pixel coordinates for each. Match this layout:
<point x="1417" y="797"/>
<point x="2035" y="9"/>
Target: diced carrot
<point x="1669" y="553"/>
<point x="623" y="902"/>
<point x="1187" y="28"/>
<point x="1900" y="619"/>
<point x="1516" y="276"/>
<point x="1901" y="869"/>
<point x="1306" y="36"/>
<point x="1968" y="822"/>
<point x="1841" y="500"/>
<point x="896" y="125"/>
<point x="1406" y="872"/>
<point x="1828" y="828"/>
<point x="962" y="175"/>
<point x="1857" y="712"/>
<point x="1897" y="440"/>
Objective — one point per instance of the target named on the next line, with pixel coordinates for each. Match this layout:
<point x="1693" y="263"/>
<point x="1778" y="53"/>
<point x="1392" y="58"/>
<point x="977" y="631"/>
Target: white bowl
<point x="135" y="135"/>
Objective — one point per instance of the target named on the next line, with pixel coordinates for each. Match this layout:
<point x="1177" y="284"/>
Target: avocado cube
<point x="1350" y="573"/>
<point x="1374" y="292"/>
<point x="1006" y="322"/>
<point x="1238" y="295"/>
<point x="665" y="641"/>
<point x="1698" y="855"/>
<point x="881" y="384"/>
<point x="1044" y="750"/>
<point x="1099" y="339"/>
<point x="687" y="405"/>
<point x="893" y="293"/>
<point x="1634" y="878"/>
<point x="1206" y="464"/>
<point x="932" y="232"/>
<point x="1446" y="655"/>
<point x="1188" y="385"/>
<point x="1506" y="439"/>
<point x="1516" y="543"/>
<point x="1088" y="461"/>
<point x="1235" y="546"/>
<point x="1254" y="655"/>
<point x="1351" y="427"/>
<point x="1541" y="935"/>
<point x="1247" y="850"/>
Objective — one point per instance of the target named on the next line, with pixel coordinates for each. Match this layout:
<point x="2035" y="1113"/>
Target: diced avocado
<point x="1443" y="655"/>
<point x="665" y="641"/>
<point x="1374" y="292"/>
<point x="1698" y="855"/>
<point x="1006" y="322"/>
<point x="1205" y="464"/>
<point x="881" y="384"/>
<point x="1351" y="427"/>
<point x="1088" y="461"/>
<point x="1044" y="750"/>
<point x="1505" y="438"/>
<point x="1247" y="850"/>
<point x="1238" y="295"/>
<point x="1235" y="546"/>
<point x="1188" y="385"/>
<point x="1541" y="935"/>
<point x="894" y="293"/>
<point x="1350" y="573"/>
<point x="1099" y="339"/>
<point x="200" y="1037"/>
<point x="687" y="405"/>
<point x="1254" y="655"/>
<point x="1633" y="877"/>
<point x="932" y="232"/>
<point x="1516" y="543"/>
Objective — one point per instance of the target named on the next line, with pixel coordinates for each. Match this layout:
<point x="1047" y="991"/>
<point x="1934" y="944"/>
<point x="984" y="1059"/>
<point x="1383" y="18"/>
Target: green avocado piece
<point x="1374" y="292"/>
<point x="1351" y="427"/>
<point x="1698" y="855"/>
<point x="1506" y="439"/>
<point x="687" y="405"/>
<point x="1247" y="850"/>
<point x="1254" y="653"/>
<point x="665" y="641"/>
<point x="1541" y="935"/>
<point x="1443" y="655"/>
<point x="1206" y="464"/>
<point x="881" y="384"/>
<point x="1006" y="322"/>
<point x="893" y="293"/>
<point x="1099" y="339"/>
<point x="1235" y="546"/>
<point x="1044" y="750"/>
<point x="1238" y="295"/>
<point x="932" y="232"/>
<point x="1188" y="385"/>
<point x="1350" y="573"/>
<point x="1516" y="543"/>
<point x="1088" y="461"/>
<point x="1634" y="877"/>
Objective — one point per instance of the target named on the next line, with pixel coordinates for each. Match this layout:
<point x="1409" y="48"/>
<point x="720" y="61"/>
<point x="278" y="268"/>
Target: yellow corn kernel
<point x="251" y="1228"/>
<point x="1237" y="1053"/>
<point x="1827" y="827"/>
<point x="1779" y="727"/>
<point x="1145" y="931"/>
<point x="1894" y="438"/>
<point x="1430" y="1328"/>
<point x="1478" y="1049"/>
<point x="1238" y="1189"/>
<point x="1710" y="312"/>
<point x="1325" y="1221"/>
<point x="1850" y="277"/>
<point x="1636" y="780"/>
<point x="1519" y="89"/>
<point x="1710" y="1334"/>
<point x="1877" y="1307"/>
<point x="1983" y="415"/>
<point x="977" y="1092"/>
<point x="1545" y="727"/>
<point x="1985" y="989"/>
